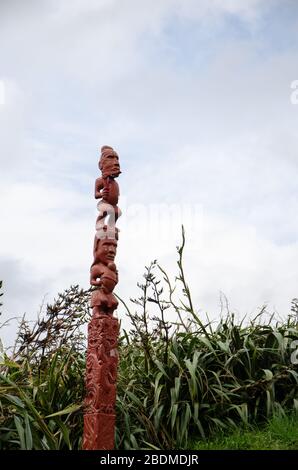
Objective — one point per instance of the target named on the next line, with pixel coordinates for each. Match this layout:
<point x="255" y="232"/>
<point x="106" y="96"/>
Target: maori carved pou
<point x="102" y="357"/>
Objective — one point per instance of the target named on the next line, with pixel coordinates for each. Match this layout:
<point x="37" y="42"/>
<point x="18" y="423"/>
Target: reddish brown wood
<point x="103" y="329"/>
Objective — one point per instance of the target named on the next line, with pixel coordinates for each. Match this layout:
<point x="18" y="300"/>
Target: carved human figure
<point x="104" y="275"/>
<point x="107" y="189"/>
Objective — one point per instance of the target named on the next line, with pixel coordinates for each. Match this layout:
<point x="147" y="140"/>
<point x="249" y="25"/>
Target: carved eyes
<point x="107" y="247"/>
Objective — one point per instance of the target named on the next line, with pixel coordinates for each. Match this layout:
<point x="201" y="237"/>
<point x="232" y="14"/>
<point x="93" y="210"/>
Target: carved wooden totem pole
<point x="102" y="357"/>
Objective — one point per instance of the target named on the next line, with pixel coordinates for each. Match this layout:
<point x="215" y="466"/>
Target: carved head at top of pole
<point x="109" y="162"/>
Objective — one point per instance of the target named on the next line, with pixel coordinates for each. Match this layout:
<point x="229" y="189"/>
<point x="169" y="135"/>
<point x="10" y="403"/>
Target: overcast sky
<point x="195" y="95"/>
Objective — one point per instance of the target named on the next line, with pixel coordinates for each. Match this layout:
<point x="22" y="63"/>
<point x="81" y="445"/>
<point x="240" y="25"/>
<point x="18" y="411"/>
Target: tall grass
<point x="40" y="410"/>
<point x="178" y="380"/>
<point x="42" y="379"/>
<point x="278" y="433"/>
<point x="196" y="385"/>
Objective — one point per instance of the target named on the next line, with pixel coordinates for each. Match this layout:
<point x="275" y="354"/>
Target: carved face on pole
<point x="106" y="251"/>
<point x="109" y="162"/>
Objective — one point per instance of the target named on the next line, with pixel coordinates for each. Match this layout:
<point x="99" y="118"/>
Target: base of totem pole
<point x="101" y="379"/>
<point x="102" y="429"/>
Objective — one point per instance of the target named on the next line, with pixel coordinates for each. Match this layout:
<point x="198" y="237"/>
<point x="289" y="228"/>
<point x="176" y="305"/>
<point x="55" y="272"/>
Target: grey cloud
<point x="23" y="293"/>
